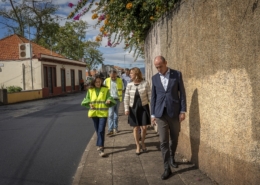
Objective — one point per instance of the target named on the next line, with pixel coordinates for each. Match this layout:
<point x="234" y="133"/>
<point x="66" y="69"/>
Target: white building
<point x="45" y="70"/>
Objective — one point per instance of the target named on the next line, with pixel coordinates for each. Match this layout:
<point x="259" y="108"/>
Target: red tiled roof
<point x="9" y="48"/>
<point x="118" y="68"/>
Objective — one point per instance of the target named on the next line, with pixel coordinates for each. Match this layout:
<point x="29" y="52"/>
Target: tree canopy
<point x="93" y="57"/>
<point x="22" y="16"/>
<point x="70" y="41"/>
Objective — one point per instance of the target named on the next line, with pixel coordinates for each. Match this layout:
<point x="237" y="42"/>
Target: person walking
<point x="81" y="82"/>
<point x="98" y="100"/>
<point x="126" y="77"/>
<point x="168" y="107"/>
<point x="136" y="104"/>
<point x="115" y="86"/>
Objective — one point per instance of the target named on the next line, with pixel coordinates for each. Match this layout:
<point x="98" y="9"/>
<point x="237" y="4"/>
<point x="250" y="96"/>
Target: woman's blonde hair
<point x="138" y="73"/>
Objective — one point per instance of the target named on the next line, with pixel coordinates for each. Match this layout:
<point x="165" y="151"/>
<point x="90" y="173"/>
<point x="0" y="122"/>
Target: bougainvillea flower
<point x="101" y="17"/>
<point x="71" y="5"/>
<point x="129" y="6"/>
<point x="98" y="39"/>
<point x="105" y="32"/>
<point x="106" y="21"/>
<point x="77" y="17"/>
<point x="109" y="43"/>
<point x="94" y="16"/>
<point x="101" y="29"/>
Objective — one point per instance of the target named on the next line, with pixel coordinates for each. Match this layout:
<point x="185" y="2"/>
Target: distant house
<point x="91" y="73"/>
<point x="47" y="71"/>
<point x="105" y="69"/>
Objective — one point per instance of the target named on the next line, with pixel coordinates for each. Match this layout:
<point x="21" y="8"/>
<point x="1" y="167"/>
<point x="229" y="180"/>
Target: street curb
<point x="78" y="174"/>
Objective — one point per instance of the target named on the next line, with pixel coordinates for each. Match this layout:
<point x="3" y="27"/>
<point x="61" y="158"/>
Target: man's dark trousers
<point x="168" y="127"/>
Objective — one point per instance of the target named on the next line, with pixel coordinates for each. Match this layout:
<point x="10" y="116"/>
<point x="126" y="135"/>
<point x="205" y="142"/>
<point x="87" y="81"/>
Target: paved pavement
<point x="123" y="167"/>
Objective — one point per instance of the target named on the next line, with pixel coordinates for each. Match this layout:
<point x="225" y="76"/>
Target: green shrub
<point x="13" y="89"/>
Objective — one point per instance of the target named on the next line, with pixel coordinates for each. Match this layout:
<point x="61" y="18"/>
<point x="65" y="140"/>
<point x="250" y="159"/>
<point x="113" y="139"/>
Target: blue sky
<point x="113" y="56"/>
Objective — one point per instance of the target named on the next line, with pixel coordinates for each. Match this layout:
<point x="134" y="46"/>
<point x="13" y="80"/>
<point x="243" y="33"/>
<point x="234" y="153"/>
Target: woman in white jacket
<point x="136" y="103"/>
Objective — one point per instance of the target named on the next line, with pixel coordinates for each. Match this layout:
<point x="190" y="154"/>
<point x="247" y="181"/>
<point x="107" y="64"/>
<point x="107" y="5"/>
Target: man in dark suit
<point x="168" y="107"/>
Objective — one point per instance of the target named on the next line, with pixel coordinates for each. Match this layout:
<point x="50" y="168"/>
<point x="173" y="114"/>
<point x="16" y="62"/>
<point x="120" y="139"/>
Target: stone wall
<point x="216" y="45"/>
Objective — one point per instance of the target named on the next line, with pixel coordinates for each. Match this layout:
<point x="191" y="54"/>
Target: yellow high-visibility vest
<point x="99" y="102"/>
<point x="119" y="85"/>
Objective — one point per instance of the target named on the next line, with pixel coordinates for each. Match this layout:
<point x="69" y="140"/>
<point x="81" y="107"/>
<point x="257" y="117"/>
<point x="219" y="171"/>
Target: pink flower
<point x="71" y="5"/>
<point x="109" y="43"/>
<point x="77" y="17"/>
<point x="102" y="17"/>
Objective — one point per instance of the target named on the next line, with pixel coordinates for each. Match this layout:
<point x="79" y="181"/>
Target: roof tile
<point x="10" y="50"/>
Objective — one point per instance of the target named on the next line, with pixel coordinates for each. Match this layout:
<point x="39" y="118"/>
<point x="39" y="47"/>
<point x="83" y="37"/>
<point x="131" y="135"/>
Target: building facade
<point x="44" y="70"/>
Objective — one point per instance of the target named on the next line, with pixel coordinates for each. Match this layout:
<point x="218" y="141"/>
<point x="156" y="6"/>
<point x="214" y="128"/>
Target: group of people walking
<point x="163" y="105"/>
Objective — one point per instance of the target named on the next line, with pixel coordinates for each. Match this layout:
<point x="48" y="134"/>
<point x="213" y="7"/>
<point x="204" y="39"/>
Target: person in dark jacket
<point x="168" y="107"/>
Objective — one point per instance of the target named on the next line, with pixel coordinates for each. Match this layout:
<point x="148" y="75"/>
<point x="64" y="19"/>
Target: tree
<point x="37" y="15"/>
<point x="93" y="57"/>
<point x="69" y="41"/>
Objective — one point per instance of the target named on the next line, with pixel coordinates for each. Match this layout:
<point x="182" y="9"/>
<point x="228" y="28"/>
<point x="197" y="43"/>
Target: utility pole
<point x="31" y="56"/>
<point x="30" y="40"/>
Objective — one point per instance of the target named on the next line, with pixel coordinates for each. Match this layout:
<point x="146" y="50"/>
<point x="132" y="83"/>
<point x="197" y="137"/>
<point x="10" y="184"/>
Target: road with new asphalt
<point x="41" y="142"/>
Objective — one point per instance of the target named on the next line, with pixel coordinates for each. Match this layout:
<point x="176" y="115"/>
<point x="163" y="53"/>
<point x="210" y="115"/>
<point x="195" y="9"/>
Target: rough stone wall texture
<point x="216" y="45"/>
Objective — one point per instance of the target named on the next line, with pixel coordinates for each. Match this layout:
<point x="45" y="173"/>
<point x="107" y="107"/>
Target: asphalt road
<point x="41" y="142"/>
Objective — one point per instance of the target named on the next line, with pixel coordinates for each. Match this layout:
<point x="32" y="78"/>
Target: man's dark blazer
<point x="174" y="95"/>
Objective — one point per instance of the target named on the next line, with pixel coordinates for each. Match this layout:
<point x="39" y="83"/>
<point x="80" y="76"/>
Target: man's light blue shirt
<point x="126" y="79"/>
<point x="165" y="79"/>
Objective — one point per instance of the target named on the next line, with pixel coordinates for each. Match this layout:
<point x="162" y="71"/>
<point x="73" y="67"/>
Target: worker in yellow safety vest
<point x="115" y="86"/>
<point x="98" y="100"/>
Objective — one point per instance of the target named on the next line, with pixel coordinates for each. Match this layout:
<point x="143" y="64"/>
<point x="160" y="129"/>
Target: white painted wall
<point x="12" y="73"/>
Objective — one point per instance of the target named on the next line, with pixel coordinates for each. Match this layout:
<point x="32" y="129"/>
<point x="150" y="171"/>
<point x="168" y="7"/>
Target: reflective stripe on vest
<point x="119" y="85"/>
<point x="100" y="108"/>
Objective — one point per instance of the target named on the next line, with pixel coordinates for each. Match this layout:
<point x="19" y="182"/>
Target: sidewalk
<point x="123" y="167"/>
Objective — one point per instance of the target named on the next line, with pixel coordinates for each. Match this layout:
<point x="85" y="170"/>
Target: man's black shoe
<point x="167" y="173"/>
<point x="173" y="163"/>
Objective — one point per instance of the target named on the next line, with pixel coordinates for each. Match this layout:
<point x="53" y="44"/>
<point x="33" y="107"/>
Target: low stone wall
<point x="24" y="96"/>
<point x="216" y="46"/>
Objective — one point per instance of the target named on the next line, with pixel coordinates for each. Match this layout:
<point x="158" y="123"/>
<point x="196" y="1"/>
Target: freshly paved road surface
<point x="41" y="142"/>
